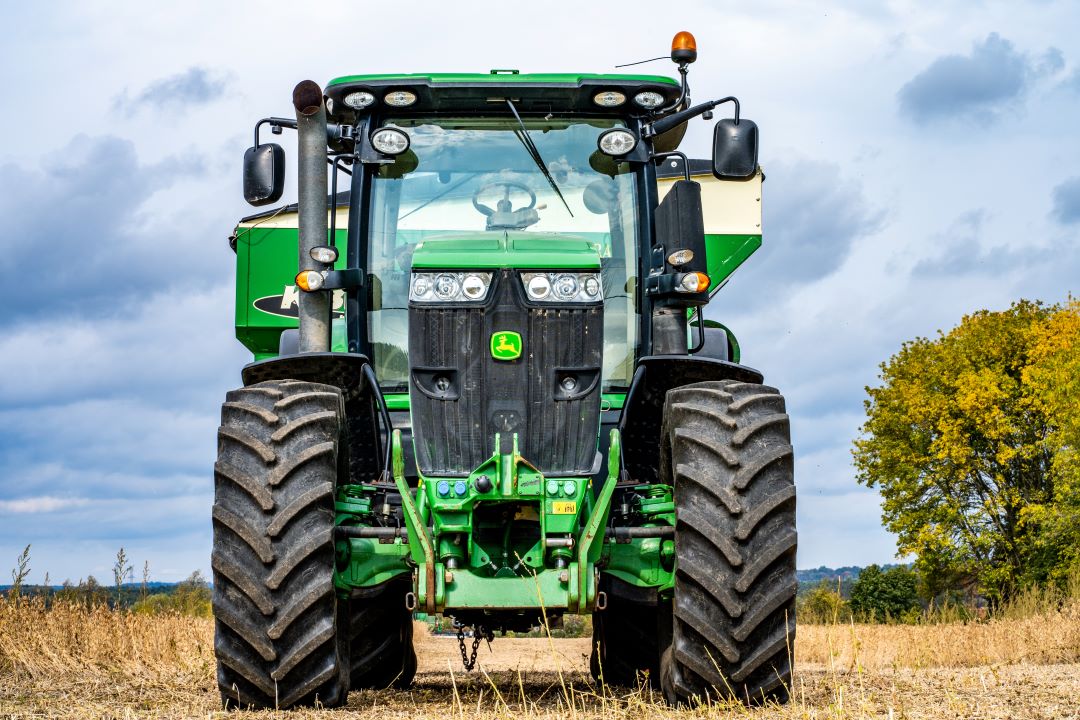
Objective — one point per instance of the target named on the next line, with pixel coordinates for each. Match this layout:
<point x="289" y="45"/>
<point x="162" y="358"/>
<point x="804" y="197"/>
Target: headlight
<point x="616" y="141"/>
<point x="563" y="287"/>
<point x="538" y="287"/>
<point x="448" y="287"/>
<point x="390" y="141"/>
<point x="649" y="99"/>
<point x="609" y="98"/>
<point x="400" y="98"/>
<point x="359" y="100"/>
<point x="566" y="286"/>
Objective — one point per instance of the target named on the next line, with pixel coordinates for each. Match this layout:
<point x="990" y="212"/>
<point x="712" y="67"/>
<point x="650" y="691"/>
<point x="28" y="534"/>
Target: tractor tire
<point x="726" y="448"/>
<point x="280" y="629"/>
<point x="625" y="645"/>
<point x="380" y="639"/>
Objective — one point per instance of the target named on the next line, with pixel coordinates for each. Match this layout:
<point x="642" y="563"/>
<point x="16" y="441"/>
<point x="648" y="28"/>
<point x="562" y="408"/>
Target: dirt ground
<point x="541" y="678"/>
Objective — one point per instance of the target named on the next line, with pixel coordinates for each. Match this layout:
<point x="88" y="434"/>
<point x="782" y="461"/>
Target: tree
<point x="822" y="604"/>
<point x="880" y="595"/>
<point x="1054" y="377"/>
<point x="956" y="443"/>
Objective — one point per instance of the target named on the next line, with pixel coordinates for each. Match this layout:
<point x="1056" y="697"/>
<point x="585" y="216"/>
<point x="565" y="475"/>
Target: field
<point x="78" y="663"/>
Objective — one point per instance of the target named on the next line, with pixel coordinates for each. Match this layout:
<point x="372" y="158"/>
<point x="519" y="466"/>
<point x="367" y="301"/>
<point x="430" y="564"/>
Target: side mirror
<point x="264" y="174"/>
<point x="735" y="149"/>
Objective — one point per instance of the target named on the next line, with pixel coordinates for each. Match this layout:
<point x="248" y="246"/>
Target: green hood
<point x="506" y="250"/>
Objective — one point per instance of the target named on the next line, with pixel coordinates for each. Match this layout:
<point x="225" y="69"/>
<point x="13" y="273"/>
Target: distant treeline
<point x="188" y="597"/>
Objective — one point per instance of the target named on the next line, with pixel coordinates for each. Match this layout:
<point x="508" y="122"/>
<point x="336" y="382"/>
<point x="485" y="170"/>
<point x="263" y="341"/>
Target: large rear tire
<point x="380" y="637"/>
<point x="726" y="447"/>
<point x="278" y="621"/>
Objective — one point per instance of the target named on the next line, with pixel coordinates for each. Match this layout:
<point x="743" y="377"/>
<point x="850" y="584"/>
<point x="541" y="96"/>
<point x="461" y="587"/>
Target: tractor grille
<point x="461" y="396"/>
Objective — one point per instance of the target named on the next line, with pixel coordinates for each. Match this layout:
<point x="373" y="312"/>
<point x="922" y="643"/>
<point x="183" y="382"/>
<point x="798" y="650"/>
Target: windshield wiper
<point x="530" y="147"/>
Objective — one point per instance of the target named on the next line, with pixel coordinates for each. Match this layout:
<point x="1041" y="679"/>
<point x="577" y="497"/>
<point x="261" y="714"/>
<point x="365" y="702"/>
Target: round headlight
<point x="390" y="141"/>
<point x="359" y="99"/>
<point x="569" y="487"/>
<point x="552" y="487"/>
<point x="566" y="287"/>
<point x="616" y="142"/>
<point x="538" y="287"/>
<point x="473" y="286"/>
<point x="609" y="98"/>
<point x="421" y="286"/>
<point x="591" y="286"/>
<point x="446" y="286"/>
<point x="400" y="98"/>
<point x="649" y="99"/>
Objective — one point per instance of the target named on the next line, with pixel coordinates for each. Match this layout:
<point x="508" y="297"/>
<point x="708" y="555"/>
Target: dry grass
<point x="73" y="662"/>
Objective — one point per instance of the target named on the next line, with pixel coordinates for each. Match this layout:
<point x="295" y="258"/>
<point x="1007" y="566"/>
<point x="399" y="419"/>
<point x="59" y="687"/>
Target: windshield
<point x="477" y="176"/>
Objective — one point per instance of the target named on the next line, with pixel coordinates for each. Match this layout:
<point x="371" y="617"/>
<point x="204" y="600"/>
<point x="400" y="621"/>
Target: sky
<point x="922" y="163"/>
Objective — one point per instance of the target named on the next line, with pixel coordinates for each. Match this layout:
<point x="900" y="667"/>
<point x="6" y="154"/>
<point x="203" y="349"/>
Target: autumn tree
<point x="958" y="444"/>
<point x="1054" y="378"/>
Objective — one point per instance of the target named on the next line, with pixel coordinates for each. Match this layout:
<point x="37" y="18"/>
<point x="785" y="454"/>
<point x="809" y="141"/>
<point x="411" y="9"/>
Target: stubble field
<point x="78" y="663"/>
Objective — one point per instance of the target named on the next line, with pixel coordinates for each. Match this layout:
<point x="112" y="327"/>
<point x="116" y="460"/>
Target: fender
<point x="364" y="406"/>
<point x="643" y="411"/>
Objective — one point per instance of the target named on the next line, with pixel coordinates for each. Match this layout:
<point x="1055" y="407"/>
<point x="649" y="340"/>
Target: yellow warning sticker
<point x="564" y="508"/>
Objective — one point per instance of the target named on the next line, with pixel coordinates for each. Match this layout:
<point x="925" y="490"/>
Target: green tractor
<point x="487" y="390"/>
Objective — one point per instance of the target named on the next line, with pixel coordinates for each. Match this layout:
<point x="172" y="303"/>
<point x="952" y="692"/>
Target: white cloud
<point x="41" y="504"/>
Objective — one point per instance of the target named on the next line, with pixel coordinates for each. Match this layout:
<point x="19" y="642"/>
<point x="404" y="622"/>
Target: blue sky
<point x="922" y="161"/>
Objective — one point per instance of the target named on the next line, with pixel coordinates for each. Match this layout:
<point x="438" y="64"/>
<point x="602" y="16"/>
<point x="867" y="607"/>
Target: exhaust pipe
<point x="311" y="167"/>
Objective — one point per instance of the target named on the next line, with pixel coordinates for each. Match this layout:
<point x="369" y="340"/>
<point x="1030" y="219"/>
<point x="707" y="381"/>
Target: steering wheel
<point x="500" y="206"/>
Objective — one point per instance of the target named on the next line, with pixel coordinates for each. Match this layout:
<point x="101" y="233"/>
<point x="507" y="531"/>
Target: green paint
<point x="570" y="79"/>
<point x="505" y="345"/>
<point x="724" y="255"/>
<point x="493" y="250"/>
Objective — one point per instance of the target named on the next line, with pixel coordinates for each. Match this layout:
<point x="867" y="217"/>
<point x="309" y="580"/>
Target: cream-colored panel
<point x="290" y="219"/>
<point x="730" y="207"/>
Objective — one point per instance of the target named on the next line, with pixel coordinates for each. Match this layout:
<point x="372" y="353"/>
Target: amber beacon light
<point x="683" y="48"/>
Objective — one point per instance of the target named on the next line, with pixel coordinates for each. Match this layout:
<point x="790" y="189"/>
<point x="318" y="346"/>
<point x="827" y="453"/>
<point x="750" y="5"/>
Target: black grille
<point x="461" y="396"/>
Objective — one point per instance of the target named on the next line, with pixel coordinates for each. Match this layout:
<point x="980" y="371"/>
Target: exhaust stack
<point x="314" y="311"/>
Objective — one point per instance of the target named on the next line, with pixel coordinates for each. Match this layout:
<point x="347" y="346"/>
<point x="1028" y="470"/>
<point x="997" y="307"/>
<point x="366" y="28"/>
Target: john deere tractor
<point x="484" y="387"/>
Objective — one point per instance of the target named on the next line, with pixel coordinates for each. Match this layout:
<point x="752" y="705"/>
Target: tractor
<point x="484" y="388"/>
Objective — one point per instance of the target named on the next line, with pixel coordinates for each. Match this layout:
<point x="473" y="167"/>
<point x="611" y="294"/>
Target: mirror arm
<point x="664" y="124"/>
<point x="675" y="153"/>
<point x="275" y="124"/>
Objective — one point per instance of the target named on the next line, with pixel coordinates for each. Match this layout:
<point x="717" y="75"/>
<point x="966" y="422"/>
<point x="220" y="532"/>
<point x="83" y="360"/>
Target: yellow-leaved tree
<point x="1054" y="377"/>
<point x="969" y="439"/>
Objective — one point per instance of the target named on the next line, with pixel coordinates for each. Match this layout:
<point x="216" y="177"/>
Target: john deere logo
<point x="506" y="345"/>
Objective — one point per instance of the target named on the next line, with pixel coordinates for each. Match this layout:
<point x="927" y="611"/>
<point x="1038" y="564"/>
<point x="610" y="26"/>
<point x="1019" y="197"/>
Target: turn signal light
<point x="694" y="282"/>
<point x="683" y="47"/>
<point x="309" y="280"/>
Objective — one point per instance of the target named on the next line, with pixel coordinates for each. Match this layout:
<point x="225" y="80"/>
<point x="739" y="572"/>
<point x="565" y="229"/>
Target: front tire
<point x="726" y="448"/>
<point x="278" y="620"/>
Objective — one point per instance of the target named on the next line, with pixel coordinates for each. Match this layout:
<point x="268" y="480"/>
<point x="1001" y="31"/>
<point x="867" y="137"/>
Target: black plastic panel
<point x="556" y="428"/>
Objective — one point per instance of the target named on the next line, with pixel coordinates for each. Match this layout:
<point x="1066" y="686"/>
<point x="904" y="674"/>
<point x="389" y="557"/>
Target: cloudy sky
<point x="922" y="159"/>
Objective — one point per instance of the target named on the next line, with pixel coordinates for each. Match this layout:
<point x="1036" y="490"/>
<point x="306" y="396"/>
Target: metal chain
<point x="479" y="633"/>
